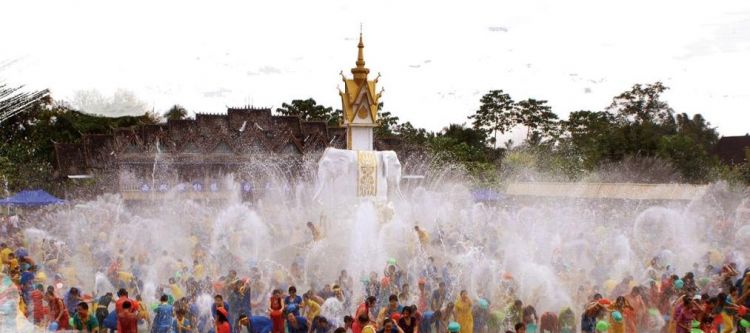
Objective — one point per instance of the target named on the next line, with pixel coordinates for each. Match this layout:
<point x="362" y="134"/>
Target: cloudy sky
<point x="436" y="57"/>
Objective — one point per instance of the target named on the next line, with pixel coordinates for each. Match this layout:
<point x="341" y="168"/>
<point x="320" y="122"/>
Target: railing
<point x="609" y="190"/>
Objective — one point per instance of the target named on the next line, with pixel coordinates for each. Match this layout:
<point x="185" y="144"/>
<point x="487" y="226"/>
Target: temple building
<point x="253" y="145"/>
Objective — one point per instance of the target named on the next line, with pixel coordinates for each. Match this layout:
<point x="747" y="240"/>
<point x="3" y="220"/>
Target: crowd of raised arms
<point x="709" y="299"/>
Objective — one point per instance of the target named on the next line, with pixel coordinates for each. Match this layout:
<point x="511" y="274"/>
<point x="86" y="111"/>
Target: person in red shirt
<point x="122" y="297"/>
<point x="361" y="321"/>
<point x="222" y="324"/>
<point x="58" y="312"/>
<point x="276" y="311"/>
<point x="127" y="320"/>
<point x="37" y="300"/>
<point x="366" y="307"/>
<point x="113" y="269"/>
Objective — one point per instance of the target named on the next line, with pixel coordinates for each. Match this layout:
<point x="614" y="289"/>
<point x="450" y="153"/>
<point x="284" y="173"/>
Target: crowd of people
<point x="707" y="300"/>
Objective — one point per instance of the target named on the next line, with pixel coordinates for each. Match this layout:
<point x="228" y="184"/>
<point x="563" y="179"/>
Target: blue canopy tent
<point x="30" y="198"/>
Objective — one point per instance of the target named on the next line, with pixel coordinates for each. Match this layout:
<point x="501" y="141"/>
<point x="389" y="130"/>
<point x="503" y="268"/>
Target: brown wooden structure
<point x="195" y="155"/>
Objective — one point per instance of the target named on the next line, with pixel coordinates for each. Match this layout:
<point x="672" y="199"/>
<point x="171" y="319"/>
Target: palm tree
<point x="176" y="112"/>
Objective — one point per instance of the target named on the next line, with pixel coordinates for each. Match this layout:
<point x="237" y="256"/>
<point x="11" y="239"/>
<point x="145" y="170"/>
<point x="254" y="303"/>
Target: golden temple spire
<point x="360" y="72"/>
<point x="359" y="103"/>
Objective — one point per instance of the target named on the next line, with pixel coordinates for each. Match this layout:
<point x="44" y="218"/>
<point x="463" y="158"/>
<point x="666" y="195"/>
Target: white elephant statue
<point x="338" y="173"/>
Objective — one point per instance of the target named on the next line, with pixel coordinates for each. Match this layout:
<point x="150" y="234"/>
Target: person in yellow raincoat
<point x="424" y="238"/>
<point x="5" y="252"/>
<point x="310" y="307"/>
<point x="462" y="312"/>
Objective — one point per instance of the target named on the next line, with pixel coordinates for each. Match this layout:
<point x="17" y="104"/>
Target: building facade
<point x="255" y="147"/>
<point x="195" y="155"/>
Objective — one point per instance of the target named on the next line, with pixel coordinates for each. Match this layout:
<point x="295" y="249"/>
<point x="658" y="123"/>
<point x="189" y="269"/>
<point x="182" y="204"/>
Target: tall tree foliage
<point x="497" y="114"/>
<point x="308" y="109"/>
<point x="537" y="117"/>
<point x="642" y="104"/>
<point x="27" y="154"/>
<point x="176" y="112"/>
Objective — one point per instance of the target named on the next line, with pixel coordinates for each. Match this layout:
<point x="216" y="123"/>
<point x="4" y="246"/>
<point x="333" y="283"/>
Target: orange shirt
<point x="118" y="308"/>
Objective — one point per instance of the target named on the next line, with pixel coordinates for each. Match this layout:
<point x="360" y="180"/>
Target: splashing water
<point x="547" y="248"/>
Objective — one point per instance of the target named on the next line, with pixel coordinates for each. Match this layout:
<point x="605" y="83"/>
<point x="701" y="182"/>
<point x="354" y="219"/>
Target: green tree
<point x="497" y="113"/>
<point x="592" y="136"/>
<point x="460" y="133"/>
<point x="690" y="148"/>
<point x="387" y="123"/>
<point x="643" y="119"/>
<point x="309" y="110"/>
<point x="698" y="129"/>
<point x="412" y="135"/>
<point x="538" y="118"/>
<point x="27" y="153"/>
<point x="687" y="156"/>
<point x="642" y="104"/>
<point x="149" y="118"/>
<point x="176" y="112"/>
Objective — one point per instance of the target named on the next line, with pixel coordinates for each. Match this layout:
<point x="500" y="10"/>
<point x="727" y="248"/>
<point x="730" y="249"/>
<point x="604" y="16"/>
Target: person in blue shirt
<point x="255" y="324"/>
<point x="246" y="295"/>
<point x="249" y="324"/>
<point x="181" y="324"/>
<point x="71" y="300"/>
<point x="293" y="301"/>
<point x="320" y="325"/>
<point x="162" y="316"/>
<point x="429" y="318"/>
<point x="296" y="324"/>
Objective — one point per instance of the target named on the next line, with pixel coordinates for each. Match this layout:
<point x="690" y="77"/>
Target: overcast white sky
<point x="437" y="57"/>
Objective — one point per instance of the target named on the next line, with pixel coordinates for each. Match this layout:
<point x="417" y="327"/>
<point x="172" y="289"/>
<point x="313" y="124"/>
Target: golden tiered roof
<point x="359" y="99"/>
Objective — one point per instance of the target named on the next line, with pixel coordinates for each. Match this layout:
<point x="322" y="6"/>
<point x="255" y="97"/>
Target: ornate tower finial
<point x="359" y="104"/>
<point x="360" y="72"/>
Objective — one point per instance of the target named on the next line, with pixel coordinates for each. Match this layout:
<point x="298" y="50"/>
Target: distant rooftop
<point x="733" y="149"/>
